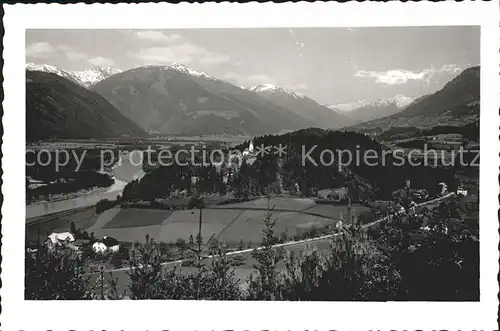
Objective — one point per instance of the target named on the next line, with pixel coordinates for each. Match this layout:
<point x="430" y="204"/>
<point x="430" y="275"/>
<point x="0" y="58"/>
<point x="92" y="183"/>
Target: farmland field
<point x="334" y="211"/>
<point x="231" y="223"/>
<point x="130" y="217"/>
<point x="83" y="220"/>
<point x="276" y="202"/>
<point x="182" y="224"/>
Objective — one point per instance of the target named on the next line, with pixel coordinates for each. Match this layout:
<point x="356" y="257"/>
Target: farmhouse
<point x="107" y="244"/>
<point x="60" y="239"/>
<point x="462" y="191"/>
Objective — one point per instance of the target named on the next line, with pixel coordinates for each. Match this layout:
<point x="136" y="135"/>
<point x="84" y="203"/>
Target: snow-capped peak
<point x="85" y="78"/>
<point x="50" y="69"/>
<point x="399" y="100"/>
<point x="402" y="101"/>
<point x="176" y="66"/>
<point x="271" y="88"/>
<point x="349" y="106"/>
<point x="93" y="76"/>
<point x="182" y="68"/>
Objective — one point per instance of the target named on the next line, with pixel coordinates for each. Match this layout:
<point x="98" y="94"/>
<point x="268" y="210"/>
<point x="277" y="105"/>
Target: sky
<point x="330" y="65"/>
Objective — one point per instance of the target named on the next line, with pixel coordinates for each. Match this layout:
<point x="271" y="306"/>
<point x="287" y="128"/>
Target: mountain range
<point x="456" y="103"/>
<point x="174" y="99"/>
<point x="57" y="107"/>
<point x="86" y="78"/>
<point x="303" y="106"/>
<point x="362" y="111"/>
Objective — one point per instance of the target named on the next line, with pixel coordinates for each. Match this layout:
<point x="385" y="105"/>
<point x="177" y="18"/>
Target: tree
<point x="264" y="286"/>
<point x="73" y="228"/>
<point x="55" y="275"/>
<point x="145" y="272"/>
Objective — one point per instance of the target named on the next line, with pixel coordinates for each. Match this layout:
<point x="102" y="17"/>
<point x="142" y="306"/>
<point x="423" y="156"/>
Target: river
<point x="124" y="172"/>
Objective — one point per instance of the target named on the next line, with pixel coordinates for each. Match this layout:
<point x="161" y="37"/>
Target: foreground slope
<point x="59" y="108"/>
<point x="176" y="99"/>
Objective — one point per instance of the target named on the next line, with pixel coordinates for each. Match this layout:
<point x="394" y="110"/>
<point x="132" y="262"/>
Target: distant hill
<point x="57" y="107"/>
<point x="303" y="106"/>
<point x="363" y="111"/>
<point x="455" y="104"/>
<point x="175" y="99"/>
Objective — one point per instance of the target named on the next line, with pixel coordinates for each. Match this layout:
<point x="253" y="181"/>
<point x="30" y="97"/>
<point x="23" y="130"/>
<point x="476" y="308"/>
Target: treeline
<point x="84" y="180"/>
<point x="430" y="257"/>
<point x="468" y="131"/>
<point x="294" y="173"/>
<point x="61" y="175"/>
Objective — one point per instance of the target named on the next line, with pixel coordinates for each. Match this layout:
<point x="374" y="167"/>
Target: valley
<point x="193" y="181"/>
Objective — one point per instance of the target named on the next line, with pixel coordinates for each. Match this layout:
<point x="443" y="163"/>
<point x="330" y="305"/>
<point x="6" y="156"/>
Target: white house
<point x="462" y="191"/>
<point x="99" y="247"/>
<point x="59" y="239"/>
<point x="111" y="243"/>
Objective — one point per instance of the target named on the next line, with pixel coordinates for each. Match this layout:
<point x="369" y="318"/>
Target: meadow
<point x="234" y="224"/>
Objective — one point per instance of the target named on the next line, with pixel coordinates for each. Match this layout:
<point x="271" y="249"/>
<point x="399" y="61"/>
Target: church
<point x="249" y="151"/>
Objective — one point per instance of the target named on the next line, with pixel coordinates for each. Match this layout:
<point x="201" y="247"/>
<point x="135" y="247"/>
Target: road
<point x="244" y="271"/>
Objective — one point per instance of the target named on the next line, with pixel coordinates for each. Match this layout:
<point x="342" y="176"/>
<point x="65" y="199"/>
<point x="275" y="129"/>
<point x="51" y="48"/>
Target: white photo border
<point x="212" y="315"/>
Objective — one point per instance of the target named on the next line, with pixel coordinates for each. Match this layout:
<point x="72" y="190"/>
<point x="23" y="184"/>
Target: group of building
<point x="67" y="240"/>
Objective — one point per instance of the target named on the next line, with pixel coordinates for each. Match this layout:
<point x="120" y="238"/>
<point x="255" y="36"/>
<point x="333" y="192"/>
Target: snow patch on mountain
<point x="182" y="69"/>
<point x="93" y="76"/>
<point x="50" y="69"/>
<point x="84" y="78"/>
<point x="271" y="88"/>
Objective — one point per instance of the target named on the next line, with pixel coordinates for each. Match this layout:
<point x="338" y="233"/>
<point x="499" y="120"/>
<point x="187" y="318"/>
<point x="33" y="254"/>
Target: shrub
<point x="103" y="205"/>
<point x="55" y="275"/>
<point x="238" y="260"/>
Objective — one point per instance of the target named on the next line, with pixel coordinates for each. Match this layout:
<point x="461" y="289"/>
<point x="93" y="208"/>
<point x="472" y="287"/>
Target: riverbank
<point x="69" y="196"/>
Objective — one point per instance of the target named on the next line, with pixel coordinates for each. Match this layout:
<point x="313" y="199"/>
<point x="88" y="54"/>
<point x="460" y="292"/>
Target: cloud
<point x="174" y="48"/>
<point x="215" y="59"/>
<point x="161" y="55"/>
<point x="298" y="87"/>
<point x="74" y="56"/>
<point x="185" y="53"/>
<point x="248" y="80"/>
<point x="46" y="50"/>
<point x="402" y="76"/>
<point x="40" y="50"/>
<point x="158" y="36"/>
<point x="101" y="61"/>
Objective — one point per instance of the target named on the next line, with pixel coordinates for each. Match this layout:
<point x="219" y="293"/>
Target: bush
<point x="55" y="275"/>
<point x="238" y="260"/>
<point x="432" y="256"/>
<point x="103" y="205"/>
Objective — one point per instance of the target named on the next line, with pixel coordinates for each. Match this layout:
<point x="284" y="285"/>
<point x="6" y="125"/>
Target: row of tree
<point x="272" y="173"/>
